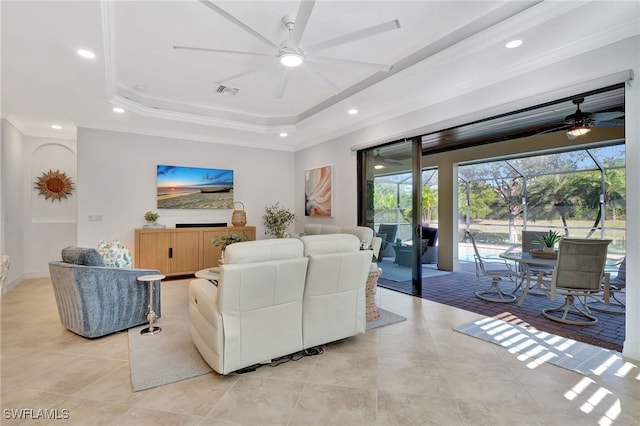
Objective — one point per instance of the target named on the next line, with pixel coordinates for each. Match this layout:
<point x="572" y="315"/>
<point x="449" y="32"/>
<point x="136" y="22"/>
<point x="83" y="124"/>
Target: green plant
<point x="151" y="216"/>
<point x="225" y="240"/>
<point x="550" y="238"/>
<point x="276" y="220"/>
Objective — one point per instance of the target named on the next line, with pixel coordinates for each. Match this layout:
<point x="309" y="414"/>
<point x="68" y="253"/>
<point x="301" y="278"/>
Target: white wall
<point x="49" y="225"/>
<point x="117" y="181"/>
<point x="34" y="229"/>
<point x="344" y="185"/>
<point x="13" y="241"/>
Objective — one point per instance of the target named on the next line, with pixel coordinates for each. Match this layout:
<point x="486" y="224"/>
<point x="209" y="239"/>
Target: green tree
<point x="429" y="203"/>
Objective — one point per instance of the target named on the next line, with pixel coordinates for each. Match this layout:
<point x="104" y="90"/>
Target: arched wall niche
<point x="53" y="157"/>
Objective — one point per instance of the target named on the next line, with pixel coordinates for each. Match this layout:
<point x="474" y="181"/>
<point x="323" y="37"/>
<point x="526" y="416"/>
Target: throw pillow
<point x="82" y="256"/>
<point x="115" y="254"/>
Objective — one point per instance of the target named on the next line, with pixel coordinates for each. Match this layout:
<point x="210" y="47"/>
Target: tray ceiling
<point x="175" y="92"/>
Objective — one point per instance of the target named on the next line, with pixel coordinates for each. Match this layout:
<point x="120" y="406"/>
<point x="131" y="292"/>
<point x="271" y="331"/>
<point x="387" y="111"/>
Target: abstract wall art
<point x="317" y="192"/>
<point x="180" y="187"/>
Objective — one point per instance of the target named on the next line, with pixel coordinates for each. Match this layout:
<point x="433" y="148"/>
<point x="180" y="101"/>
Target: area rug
<point x="539" y="347"/>
<point x="167" y="357"/>
<point x="386" y="318"/>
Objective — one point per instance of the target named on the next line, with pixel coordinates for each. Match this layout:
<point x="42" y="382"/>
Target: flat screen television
<point x="180" y="187"/>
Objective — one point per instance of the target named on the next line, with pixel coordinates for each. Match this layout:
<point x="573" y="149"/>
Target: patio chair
<point x="529" y="242"/>
<point x="429" y="247"/>
<point x="617" y="285"/>
<point x="579" y="273"/>
<point x="496" y="271"/>
<point x="387" y="231"/>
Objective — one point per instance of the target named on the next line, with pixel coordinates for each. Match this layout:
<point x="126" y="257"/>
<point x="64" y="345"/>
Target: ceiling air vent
<point x="227" y="90"/>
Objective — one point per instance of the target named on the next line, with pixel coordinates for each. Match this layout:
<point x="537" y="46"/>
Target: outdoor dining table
<point x="526" y="260"/>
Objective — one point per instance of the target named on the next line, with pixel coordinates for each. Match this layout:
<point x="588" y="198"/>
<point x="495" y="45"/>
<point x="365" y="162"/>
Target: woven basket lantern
<point x="239" y="217"/>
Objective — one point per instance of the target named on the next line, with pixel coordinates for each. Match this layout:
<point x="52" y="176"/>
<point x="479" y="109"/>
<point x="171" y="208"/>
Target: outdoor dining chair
<point x="530" y="241"/>
<point x="496" y="271"/>
<point x="579" y="273"/>
<point x="617" y="286"/>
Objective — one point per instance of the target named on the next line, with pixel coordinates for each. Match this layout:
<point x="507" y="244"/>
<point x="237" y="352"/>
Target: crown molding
<point x="187" y="136"/>
<point x="67" y="133"/>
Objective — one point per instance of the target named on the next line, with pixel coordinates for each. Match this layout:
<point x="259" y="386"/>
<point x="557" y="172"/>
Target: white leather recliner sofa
<point x="255" y="312"/>
<point x="278" y="297"/>
<point x="363" y="233"/>
<point x="334" y="296"/>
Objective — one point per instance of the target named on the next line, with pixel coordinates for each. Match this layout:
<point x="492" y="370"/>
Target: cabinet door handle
<point x="170" y="252"/>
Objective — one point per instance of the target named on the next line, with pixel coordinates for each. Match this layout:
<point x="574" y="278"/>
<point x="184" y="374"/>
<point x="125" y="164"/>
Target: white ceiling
<point x="173" y="92"/>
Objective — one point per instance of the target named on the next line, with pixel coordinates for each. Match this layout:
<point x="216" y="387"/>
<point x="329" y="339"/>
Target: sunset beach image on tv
<point x="182" y="187"/>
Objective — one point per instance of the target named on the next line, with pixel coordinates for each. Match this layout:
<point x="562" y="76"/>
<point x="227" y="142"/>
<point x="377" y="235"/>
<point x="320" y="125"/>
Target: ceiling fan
<point x="290" y="53"/>
<point x="580" y="122"/>
<point x="381" y="162"/>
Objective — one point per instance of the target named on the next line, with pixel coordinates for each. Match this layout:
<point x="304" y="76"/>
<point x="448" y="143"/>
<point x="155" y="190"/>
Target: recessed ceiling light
<point x="284" y="134"/>
<point x="86" y="53"/>
<point x="118" y="110"/>
<point x="513" y="44"/>
<point x="56" y="126"/>
<point x="352" y="111"/>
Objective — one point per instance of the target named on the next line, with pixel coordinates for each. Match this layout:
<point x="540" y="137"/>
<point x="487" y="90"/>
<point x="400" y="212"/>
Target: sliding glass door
<point x="390" y="194"/>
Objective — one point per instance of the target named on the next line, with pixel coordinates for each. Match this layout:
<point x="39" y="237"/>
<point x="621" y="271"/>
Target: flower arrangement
<point x="276" y="220"/>
<point x="224" y="240"/>
<point x="549" y="239"/>
<point x="151" y="217"/>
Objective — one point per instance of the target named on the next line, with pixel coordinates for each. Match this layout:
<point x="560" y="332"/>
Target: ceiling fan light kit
<point x="578" y="130"/>
<point x="291" y="59"/>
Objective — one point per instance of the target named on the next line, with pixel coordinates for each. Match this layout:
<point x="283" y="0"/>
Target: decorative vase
<point x="239" y="217"/>
<point x="546" y="249"/>
<point x="153" y="224"/>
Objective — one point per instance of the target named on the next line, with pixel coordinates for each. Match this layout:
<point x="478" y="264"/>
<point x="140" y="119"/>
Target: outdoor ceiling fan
<point x="381" y="163"/>
<point x="581" y="122"/>
<point x="290" y="52"/>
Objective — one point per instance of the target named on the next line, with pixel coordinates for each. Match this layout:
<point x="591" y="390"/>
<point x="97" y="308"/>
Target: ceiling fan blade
<point x="311" y="70"/>
<point x="240" y="74"/>
<point x="240" y="24"/>
<point x="302" y="17"/>
<point x="380" y="67"/>
<point x="618" y="122"/>
<point x="606" y="116"/>
<point x="356" y="35"/>
<point x="283" y="83"/>
<point x="234" y="52"/>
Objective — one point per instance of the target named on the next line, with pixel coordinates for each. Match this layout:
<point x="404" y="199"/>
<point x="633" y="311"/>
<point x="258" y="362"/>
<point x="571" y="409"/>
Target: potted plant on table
<point x="549" y="241"/>
<point x="276" y="220"/>
<point x="152" y="219"/>
<point x="225" y="240"/>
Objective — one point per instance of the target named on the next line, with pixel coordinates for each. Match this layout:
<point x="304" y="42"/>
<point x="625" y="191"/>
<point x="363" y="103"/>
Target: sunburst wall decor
<point x="54" y="185"/>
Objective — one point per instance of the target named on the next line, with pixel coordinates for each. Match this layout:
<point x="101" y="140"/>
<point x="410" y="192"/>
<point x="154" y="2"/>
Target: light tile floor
<point x="418" y="371"/>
